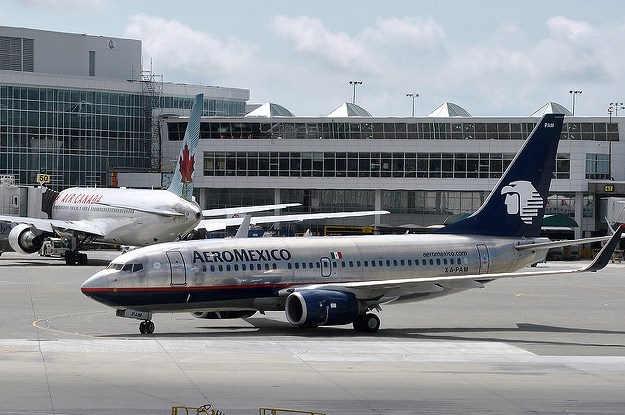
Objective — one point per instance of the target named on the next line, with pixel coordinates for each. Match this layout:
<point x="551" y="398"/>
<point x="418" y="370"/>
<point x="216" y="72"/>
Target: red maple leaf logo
<point x="186" y="165"/>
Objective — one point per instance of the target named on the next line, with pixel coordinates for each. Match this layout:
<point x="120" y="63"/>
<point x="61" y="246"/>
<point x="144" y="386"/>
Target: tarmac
<point x="540" y="345"/>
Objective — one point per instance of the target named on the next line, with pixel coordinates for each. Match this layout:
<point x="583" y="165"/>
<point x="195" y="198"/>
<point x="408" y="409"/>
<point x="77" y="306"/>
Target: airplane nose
<point x="94" y="283"/>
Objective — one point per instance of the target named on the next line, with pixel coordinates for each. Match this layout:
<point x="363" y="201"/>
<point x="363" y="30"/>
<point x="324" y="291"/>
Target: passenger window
<point x="444" y="261"/>
<point x="310" y="265"/>
<point x="228" y="267"/>
<point x="438" y="261"/>
<point x="274" y="266"/>
<point x="351" y="264"/>
<point x="221" y="268"/>
<point x="357" y="263"/>
<point x="289" y="265"/>
<point x="380" y="263"/>
<point x="243" y="267"/>
<point x="297" y="265"/>
<point x="431" y="262"/>
<point x="343" y="264"/>
<point x="334" y="264"/>
<point x="266" y="266"/>
<point x="401" y="262"/>
<point x="203" y="268"/>
<point x="373" y="264"/>
<point x="424" y="262"/>
<point x="410" y="262"/>
<point x="366" y="263"/>
<point x="258" y="267"/>
<point x="303" y="265"/>
<point x="388" y="262"/>
<point x="236" y="267"/>
<point x="394" y="262"/>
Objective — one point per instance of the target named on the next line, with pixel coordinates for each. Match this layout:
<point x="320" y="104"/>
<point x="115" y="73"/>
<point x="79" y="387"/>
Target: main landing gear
<point x="72" y="255"/>
<point x="367" y="323"/>
<point x="146" y="327"/>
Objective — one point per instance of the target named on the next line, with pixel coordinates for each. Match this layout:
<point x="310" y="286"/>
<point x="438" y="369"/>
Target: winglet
<point x="182" y="181"/>
<point x="244" y="228"/>
<point x="603" y="257"/>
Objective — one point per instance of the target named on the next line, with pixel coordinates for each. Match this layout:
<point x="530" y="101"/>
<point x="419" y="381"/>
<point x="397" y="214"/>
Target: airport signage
<point x="43" y="178"/>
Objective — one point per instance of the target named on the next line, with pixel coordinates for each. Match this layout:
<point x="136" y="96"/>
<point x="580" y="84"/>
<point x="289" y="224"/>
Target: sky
<point x="490" y="60"/>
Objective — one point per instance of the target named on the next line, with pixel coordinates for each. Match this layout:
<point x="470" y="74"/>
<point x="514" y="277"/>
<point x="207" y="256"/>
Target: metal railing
<point x="278" y="411"/>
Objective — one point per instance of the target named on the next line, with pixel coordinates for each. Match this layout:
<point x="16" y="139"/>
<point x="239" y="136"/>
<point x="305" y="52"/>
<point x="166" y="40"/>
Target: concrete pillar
<point x="579" y="208"/>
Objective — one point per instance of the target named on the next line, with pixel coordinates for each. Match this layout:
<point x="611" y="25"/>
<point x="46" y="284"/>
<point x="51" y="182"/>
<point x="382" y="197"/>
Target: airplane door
<point x="178" y="269"/>
<point x="482" y="252"/>
<point x="326" y="267"/>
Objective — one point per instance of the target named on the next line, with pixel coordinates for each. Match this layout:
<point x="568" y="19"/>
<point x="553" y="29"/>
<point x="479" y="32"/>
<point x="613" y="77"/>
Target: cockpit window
<point x="115" y="266"/>
<point x="126" y="267"/>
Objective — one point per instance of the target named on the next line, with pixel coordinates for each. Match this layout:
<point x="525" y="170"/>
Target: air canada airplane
<point x="119" y="215"/>
<point x="136" y="217"/>
<point x="339" y="280"/>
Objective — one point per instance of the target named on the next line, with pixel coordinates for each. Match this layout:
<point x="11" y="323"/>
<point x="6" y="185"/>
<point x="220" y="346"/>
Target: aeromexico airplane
<point x="339" y="280"/>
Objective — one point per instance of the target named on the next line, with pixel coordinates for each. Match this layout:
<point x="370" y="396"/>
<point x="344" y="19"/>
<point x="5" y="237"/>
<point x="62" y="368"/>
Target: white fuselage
<point x="136" y="217"/>
<point x="249" y="273"/>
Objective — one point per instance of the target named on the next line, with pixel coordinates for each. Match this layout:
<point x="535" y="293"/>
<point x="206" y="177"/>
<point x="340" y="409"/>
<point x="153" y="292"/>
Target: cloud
<point x="310" y="35"/>
<point x="177" y="47"/>
<point x="419" y="33"/>
<point x="565" y="29"/>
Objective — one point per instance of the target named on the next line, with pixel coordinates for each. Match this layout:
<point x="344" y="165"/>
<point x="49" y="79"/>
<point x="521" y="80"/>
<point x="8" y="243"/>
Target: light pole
<point x="613" y="108"/>
<point x="354" y="83"/>
<point x="573" y="93"/>
<point x="412" y="95"/>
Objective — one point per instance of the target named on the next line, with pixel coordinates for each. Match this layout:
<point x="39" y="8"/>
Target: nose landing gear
<point x="146" y="327"/>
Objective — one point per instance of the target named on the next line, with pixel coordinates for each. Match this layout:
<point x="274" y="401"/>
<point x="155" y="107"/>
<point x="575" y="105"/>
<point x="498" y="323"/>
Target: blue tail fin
<point x="182" y="182"/>
<point x="515" y="207"/>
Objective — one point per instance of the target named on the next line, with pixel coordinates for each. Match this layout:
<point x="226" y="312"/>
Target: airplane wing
<point x="220" y="224"/>
<point x="386" y="290"/>
<point x="564" y="242"/>
<point x="52" y="225"/>
<point x="245" y="209"/>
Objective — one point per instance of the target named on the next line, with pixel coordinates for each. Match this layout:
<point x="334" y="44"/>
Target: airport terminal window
<point x="318" y="164"/>
<point x="597" y="166"/>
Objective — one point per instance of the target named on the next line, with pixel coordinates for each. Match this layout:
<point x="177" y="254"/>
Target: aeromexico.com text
<point x="242" y="255"/>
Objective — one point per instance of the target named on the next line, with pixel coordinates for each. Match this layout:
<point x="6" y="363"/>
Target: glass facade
<point x="79" y="136"/>
<point x="358" y="130"/>
<point x="333" y="164"/>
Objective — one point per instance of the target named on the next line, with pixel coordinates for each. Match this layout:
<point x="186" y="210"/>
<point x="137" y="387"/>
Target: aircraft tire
<point x="82" y="259"/>
<point x="70" y="257"/>
<point x="369" y="323"/>
<point x="146" y="327"/>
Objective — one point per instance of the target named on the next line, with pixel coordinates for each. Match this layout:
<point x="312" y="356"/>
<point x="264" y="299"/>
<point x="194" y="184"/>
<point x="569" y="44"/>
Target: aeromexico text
<point x="242" y="255"/>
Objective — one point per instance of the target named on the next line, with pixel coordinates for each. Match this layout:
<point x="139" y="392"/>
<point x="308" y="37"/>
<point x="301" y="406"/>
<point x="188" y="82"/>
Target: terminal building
<point x="82" y="111"/>
<point x="424" y="170"/>
<point x="80" y="108"/>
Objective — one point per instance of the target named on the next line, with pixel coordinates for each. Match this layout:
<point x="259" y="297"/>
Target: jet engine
<point x="25" y="239"/>
<point x="313" y="308"/>
<point x="218" y="315"/>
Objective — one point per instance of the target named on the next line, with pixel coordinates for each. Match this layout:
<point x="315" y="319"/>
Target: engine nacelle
<point x="313" y="308"/>
<point x="25" y="239"/>
<point x="218" y="315"/>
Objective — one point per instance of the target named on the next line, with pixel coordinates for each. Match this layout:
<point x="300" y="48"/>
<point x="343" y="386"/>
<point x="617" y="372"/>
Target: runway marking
<point x="36" y="324"/>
